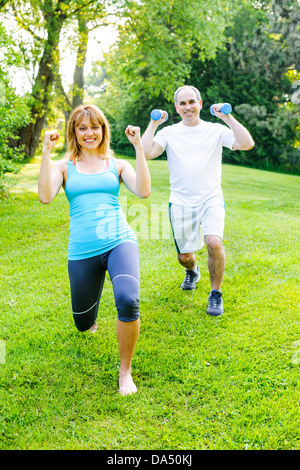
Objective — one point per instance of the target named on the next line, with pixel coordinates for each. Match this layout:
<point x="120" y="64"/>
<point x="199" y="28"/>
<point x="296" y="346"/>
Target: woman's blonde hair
<point x="96" y="117"/>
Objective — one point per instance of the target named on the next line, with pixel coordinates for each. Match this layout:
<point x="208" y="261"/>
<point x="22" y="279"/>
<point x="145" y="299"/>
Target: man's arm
<point x="152" y="149"/>
<point x="243" y="139"/>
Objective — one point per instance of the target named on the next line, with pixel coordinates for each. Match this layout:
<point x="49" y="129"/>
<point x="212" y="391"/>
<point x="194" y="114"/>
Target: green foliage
<point x="13" y="113"/>
<point x="152" y="56"/>
<point x="253" y="66"/>
<point x="230" y="383"/>
<point x="14" y="110"/>
<point x="44" y="21"/>
<point x="155" y="45"/>
<point x="258" y="86"/>
<point x="244" y="52"/>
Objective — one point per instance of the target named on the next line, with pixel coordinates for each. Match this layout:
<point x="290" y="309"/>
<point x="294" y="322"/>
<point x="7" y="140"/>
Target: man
<point x="194" y="152"/>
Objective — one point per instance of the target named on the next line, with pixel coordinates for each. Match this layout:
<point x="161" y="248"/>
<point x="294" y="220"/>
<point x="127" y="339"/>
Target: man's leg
<point x="185" y="223"/>
<point x="216" y="260"/>
<point x="192" y="273"/>
<point x="188" y="260"/>
<point x="216" y="266"/>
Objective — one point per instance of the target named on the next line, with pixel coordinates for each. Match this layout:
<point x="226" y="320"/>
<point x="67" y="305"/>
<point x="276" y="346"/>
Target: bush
<point x="13" y="114"/>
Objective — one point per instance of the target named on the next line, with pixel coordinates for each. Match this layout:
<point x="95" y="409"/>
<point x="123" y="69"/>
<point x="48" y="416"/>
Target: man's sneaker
<point x="215" y="304"/>
<point x="190" y="280"/>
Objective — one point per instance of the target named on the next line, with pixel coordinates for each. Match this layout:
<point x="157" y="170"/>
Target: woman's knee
<point x="84" y="323"/>
<point x="127" y="303"/>
<point x="82" y="327"/>
<point x="85" y="320"/>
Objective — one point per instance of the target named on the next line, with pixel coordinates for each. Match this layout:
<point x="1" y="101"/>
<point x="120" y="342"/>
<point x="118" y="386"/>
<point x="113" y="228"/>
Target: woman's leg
<point x="127" y="335"/>
<point x="86" y="281"/>
<point x="123" y="267"/>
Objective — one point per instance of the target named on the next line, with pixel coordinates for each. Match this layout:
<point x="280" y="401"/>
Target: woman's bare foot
<point x="126" y="384"/>
<point x="94" y="328"/>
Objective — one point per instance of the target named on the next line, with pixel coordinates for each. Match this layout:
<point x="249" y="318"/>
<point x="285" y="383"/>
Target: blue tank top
<point x="97" y="222"/>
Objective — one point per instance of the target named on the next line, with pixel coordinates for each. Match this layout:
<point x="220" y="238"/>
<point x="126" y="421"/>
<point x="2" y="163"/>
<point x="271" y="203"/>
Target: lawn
<point x="228" y="383"/>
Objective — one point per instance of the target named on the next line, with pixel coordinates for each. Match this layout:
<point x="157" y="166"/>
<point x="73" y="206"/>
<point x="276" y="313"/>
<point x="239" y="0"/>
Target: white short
<point x="191" y="224"/>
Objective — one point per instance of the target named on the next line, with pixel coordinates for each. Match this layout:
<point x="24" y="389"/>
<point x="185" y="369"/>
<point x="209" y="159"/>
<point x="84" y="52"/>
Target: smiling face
<point x="89" y="134"/>
<point x="88" y="131"/>
<point x="188" y="106"/>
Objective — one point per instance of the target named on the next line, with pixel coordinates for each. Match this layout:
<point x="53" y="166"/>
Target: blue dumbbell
<point x="225" y="109"/>
<point x="156" y="114"/>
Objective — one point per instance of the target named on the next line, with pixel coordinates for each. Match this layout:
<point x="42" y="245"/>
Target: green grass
<point x="204" y="383"/>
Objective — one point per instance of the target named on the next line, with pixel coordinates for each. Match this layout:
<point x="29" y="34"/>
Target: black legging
<point x="87" y="279"/>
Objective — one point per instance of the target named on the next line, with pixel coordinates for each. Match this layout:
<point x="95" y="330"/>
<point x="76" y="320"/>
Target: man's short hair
<point x="197" y="92"/>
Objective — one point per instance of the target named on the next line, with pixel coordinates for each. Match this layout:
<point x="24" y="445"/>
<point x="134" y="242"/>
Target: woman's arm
<point x="50" y="179"/>
<point x="139" y="181"/>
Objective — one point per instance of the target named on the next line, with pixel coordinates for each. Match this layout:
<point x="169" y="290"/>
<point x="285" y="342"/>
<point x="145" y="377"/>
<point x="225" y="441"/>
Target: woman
<point x="100" y="238"/>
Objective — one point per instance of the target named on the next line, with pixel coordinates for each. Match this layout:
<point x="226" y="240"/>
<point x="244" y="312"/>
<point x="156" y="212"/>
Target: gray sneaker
<point x="215" y="304"/>
<point x="190" y="280"/>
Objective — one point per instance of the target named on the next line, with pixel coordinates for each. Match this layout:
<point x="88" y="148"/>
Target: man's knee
<point x="185" y="257"/>
<point x="214" y="244"/>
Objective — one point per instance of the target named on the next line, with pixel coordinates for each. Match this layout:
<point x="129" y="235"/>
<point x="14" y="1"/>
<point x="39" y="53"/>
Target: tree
<point x="152" y="55"/>
<point x="30" y="134"/>
<point x="44" y="20"/>
<point x="68" y="103"/>
<point x="85" y="24"/>
<point x="254" y="73"/>
<point x="78" y="80"/>
<point x="13" y="109"/>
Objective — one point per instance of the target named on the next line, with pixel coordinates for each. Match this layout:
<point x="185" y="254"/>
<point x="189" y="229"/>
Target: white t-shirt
<point x="194" y="159"/>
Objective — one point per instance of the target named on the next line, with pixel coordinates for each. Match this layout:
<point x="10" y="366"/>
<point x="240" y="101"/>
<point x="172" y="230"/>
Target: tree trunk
<point x="77" y="88"/>
<point x="29" y="135"/>
<point x="78" y="77"/>
<point x="66" y="105"/>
